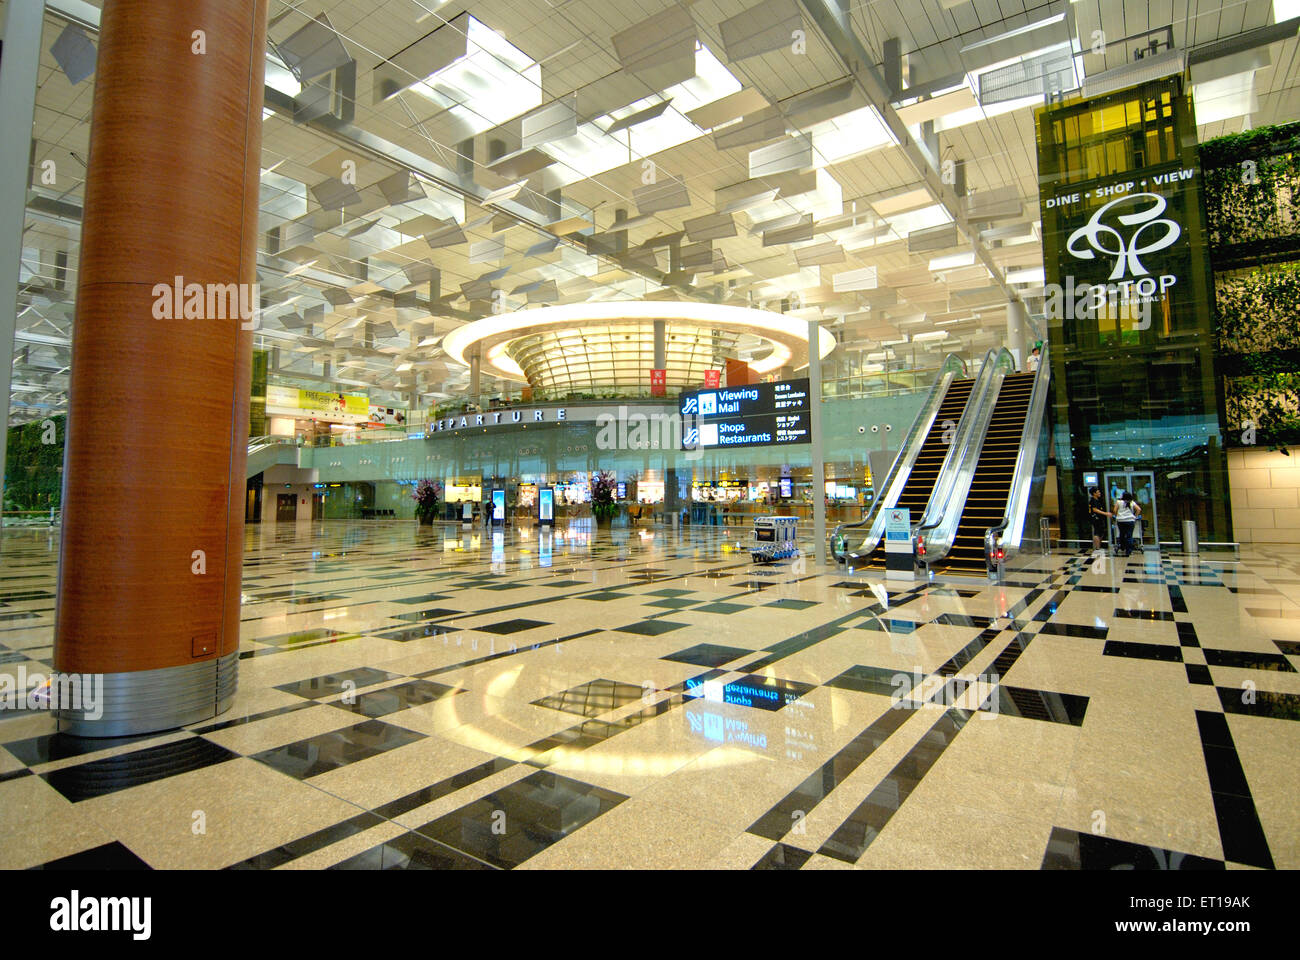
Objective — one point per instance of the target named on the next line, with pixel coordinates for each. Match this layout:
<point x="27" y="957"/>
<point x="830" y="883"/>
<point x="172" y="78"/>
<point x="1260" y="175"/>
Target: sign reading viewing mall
<point x="757" y="415"/>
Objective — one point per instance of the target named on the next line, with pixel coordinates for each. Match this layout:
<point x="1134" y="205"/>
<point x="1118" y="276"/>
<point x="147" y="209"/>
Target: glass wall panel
<point x="1129" y="302"/>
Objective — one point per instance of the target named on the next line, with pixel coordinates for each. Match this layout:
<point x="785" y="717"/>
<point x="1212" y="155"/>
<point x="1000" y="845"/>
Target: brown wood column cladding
<point x="158" y="411"/>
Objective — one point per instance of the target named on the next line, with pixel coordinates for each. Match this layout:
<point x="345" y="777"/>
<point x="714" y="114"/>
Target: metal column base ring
<point x="146" y="701"/>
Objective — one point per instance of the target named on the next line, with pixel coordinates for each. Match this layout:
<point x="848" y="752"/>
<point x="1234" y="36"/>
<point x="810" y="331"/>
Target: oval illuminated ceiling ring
<point x="492" y="335"/>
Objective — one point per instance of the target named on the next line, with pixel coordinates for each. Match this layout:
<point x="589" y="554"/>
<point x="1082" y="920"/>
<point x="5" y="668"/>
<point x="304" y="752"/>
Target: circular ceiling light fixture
<point x="577" y="347"/>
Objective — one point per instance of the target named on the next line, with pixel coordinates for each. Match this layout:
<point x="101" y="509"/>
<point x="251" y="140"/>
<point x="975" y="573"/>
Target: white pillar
<point x="815" y="429"/>
<point x="1018" y="332"/>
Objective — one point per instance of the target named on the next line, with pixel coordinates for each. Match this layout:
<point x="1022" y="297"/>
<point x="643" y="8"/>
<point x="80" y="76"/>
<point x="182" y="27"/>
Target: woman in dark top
<point x="1098" y="516"/>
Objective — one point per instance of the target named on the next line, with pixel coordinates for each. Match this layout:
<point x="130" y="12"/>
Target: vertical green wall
<point x="34" y="468"/>
<point x="1252" y="206"/>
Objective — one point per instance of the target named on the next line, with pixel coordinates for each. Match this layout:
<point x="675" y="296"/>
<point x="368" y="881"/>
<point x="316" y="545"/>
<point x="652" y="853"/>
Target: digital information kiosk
<point x="498" y="508"/>
<point x="546" y="507"/>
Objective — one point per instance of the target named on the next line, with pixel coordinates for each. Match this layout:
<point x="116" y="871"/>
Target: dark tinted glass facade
<point x="1129" y="302"/>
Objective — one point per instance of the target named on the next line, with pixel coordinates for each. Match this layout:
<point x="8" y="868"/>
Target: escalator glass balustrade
<point x="924" y="475"/>
<point x="990" y="488"/>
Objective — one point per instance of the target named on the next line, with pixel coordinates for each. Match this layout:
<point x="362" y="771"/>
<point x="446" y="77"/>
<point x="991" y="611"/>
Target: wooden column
<point x="152" y="538"/>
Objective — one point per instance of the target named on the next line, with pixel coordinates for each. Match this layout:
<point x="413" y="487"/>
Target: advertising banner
<point x="351" y="405"/>
<point x="336" y="407"/>
<point x="1126" y="255"/>
<point x="658" y="378"/>
<point x="386" y="417"/>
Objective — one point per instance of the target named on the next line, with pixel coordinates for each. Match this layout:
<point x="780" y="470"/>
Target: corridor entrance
<point x="286" y="508"/>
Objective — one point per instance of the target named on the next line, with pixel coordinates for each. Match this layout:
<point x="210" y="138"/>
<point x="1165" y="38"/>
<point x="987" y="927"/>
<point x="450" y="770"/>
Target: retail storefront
<point x="563" y="447"/>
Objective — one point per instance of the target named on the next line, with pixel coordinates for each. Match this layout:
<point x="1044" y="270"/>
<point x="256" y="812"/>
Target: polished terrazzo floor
<point x="635" y="699"/>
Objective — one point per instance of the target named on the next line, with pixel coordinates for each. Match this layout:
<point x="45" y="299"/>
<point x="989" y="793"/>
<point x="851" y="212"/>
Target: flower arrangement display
<point x="603" y="506"/>
<point x="426" y="496"/>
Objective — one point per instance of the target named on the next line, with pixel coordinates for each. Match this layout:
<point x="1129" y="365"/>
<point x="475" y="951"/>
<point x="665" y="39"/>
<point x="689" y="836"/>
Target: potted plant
<point x="426" y="496"/>
<point x="603" y="506"/>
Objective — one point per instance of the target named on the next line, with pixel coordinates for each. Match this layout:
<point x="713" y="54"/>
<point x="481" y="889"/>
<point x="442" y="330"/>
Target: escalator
<point x="991" y="483"/>
<point x="264" y="452"/>
<point x="990" y="496"/>
<point x="920" y="481"/>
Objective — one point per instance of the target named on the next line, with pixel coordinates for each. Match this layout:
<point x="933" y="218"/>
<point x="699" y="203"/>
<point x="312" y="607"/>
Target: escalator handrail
<point x="953" y="368"/>
<point x="259" y="443"/>
<point x="970" y="419"/>
<point x="1022" y="478"/>
<point x="962" y="475"/>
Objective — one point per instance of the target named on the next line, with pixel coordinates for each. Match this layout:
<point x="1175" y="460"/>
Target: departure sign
<point x="757" y="415"/>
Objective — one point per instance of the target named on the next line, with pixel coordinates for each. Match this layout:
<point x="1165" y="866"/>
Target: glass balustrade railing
<point x="940" y="523"/>
<point x="884" y="383"/>
<point x="872" y="521"/>
<point x="50" y="517"/>
<point x="1019" y="524"/>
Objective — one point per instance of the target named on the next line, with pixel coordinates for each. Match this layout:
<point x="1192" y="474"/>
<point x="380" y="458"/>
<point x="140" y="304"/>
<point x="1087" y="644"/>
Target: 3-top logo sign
<point x="1152" y="234"/>
<point x="1139" y="251"/>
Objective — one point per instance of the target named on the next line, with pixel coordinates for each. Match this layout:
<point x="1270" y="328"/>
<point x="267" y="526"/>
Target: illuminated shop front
<point x="564" y="455"/>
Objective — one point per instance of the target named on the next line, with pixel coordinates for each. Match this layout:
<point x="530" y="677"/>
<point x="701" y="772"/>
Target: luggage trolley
<point x="773" y="539"/>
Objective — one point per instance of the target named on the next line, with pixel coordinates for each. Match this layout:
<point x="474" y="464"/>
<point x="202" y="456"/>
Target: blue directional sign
<point x="757" y="415"/>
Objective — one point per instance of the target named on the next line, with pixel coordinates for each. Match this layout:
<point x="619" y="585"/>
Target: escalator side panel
<point x="990" y="487"/>
<point x="920" y="482"/>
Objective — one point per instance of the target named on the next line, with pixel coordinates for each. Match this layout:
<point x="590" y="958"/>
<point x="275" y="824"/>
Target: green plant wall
<point x="33" y="467"/>
<point x="1252" y="187"/>
<point x="1252" y="201"/>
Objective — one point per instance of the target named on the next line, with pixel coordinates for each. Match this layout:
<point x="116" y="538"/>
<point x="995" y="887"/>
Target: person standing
<point x="1031" y="363"/>
<point x="1098" y="516"/>
<point x="1127" y="512"/>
